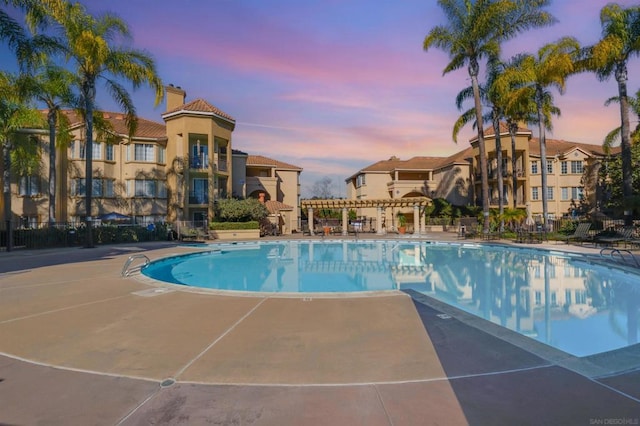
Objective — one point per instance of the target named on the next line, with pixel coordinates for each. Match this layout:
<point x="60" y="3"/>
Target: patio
<point x="79" y="344"/>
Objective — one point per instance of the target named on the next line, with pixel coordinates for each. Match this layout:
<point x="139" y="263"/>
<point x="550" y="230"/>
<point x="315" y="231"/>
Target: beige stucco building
<point x="174" y="171"/>
<point x="457" y="178"/>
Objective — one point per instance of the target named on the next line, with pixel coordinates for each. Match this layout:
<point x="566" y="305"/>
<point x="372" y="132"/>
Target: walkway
<point x="81" y="345"/>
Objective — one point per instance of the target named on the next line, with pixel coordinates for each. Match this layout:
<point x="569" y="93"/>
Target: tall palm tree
<point x="609" y="56"/>
<point x="52" y="85"/>
<point x="88" y="44"/>
<point x="15" y="114"/>
<point x="535" y="76"/>
<point x="474" y="31"/>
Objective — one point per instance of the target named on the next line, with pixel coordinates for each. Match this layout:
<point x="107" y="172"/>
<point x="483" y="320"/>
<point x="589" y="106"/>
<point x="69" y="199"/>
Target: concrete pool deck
<point x="79" y="344"/>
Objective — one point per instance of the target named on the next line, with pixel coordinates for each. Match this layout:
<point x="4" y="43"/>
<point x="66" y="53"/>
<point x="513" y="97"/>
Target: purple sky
<point x="335" y="85"/>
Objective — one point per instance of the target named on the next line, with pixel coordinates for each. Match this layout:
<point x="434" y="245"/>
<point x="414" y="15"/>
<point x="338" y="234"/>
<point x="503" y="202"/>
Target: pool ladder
<point x="127" y="269"/>
<point x="621" y="256"/>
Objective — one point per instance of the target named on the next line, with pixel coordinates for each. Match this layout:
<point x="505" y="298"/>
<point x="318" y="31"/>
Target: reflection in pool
<point x="558" y="299"/>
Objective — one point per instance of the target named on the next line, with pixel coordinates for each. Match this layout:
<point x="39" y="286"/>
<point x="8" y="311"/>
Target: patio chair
<point x="616" y="238"/>
<point x="581" y="234"/>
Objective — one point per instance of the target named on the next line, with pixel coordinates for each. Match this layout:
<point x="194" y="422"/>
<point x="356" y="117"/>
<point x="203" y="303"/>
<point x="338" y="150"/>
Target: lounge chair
<point x="581" y="234"/>
<point x="616" y="238"/>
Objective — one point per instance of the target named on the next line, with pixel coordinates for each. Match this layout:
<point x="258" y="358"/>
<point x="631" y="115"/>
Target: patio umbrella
<point x="529" y="221"/>
<point x="114" y="216"/>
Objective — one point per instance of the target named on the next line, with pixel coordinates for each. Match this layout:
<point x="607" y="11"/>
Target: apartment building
<point x="457" y="178"/>
<point x="174" y="171"/>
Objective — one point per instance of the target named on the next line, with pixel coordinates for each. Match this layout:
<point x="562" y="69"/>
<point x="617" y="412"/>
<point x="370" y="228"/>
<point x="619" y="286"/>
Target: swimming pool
<point x="560" y="299"/>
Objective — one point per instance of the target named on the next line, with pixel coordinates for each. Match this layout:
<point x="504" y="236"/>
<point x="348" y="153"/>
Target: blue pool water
<point x="559" y="299"/>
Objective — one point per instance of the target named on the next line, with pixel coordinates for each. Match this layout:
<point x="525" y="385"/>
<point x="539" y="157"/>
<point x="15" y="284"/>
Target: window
<point x="109" y="191"/>
<point x="534" y="167"/>
<point x="549" y="192"/>
<point x="162" y="189"/>
<point x="29" y="186"/>
<point x="576" y="167"/>
<point x="564" y="193"/>
<point x="162" y="154"/>
<point x="550" y="167"/>
<point x="534" y="193"/>
<point x="360" y="180"/>
<point x="110" y="153"/>
<point x="145" y="188"/>
<point x="96" y="150"/>
<point x="577" y="193"/>
<point x="83" y="150"/>
<point x="79" y="187"/>
<point x="564" y="167"/>
<point x="143" y="152"/>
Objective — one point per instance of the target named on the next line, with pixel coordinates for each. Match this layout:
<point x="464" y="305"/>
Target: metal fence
<point x="68" y="234"/>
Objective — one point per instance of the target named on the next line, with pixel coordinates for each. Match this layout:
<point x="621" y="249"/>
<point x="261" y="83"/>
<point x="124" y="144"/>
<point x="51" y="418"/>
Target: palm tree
<point x="534" y="76"/>
<point x="88" y="43"/>
<point x="15" y="114"/>
<point x="52" y="85"/>
<point x="620" y="41"/>
<point x="474" y="31"/>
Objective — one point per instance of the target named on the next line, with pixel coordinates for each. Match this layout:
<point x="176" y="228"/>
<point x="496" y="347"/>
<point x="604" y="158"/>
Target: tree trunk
<point x="513" y="129"/>
<point x="496" y="131"/>
<point x="51" y="118"/>
<point x="6" y="191"/>
<point x="89" y="93"/>
<point x="543" y="158"/>
<point x="625" y="142"/>
<point x="484" y="178"/>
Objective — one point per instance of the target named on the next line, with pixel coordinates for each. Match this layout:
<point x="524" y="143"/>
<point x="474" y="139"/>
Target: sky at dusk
<point x="333" y="86"/>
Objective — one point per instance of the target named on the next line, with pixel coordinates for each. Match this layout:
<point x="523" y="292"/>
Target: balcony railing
<point x="199" y="162"/>
<point x="198" y="198"/>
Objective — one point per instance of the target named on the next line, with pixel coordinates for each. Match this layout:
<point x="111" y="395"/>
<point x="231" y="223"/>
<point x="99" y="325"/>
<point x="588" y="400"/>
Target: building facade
<point x="174" y="171"/>
<point x="571" y="167"/>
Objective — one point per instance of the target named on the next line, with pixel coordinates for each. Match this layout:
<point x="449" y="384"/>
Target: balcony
<point x="198" y="197"/>
<point x="199" y="162"/>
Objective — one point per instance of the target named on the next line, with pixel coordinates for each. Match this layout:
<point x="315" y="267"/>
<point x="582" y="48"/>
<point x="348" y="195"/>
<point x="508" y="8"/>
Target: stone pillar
<point x="416" y="220"/>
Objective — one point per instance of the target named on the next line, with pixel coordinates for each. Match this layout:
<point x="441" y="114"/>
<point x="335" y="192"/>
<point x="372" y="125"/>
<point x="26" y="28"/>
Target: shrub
<point x="232" y="210"/>
<point x="224" y="226"/>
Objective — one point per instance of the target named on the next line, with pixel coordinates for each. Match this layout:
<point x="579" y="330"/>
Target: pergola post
<point x="310" y="220"/>
<point x="379" y="231"/>
<point x="345" y="221"/>
<point x="416" y="220"/>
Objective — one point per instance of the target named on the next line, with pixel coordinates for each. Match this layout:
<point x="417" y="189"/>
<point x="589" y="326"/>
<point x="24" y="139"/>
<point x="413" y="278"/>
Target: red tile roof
<point x="146" y="128"/>
<point x="259" y="160"/>
<point x="275" y="206"/>
<point x="561" y="147"/>
<point x="200" y="105"/>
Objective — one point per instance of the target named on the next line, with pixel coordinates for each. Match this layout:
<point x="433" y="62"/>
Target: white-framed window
<point x="534" y="167"/>
<point x="577" y="167"/>
<point x="564" y="193"/>
<point x="110" y="152"/>
<point x="535" y="193"/>
<point x="162" y="155"/>
<point x="144" y="152"/>
<point x="144" y="188"/>
<point x="162" y="189"/>
<point x="79" y="187"/>
<point x="550" y="167"/>
<point x="564" y="167"/>
<point x="577" y="193"/>
<point x="96" y="150"/>
<point x="360" y="180"/>
<point x="109" y="188"/>
<point x="29" y="186"/>
<point x="549" y="192"/>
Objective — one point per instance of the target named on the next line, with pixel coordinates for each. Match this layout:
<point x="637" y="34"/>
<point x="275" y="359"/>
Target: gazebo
<point x="378" y="204"/>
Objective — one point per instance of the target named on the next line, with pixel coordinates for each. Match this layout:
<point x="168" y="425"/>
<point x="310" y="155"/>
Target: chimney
<point x="175" y="97"/>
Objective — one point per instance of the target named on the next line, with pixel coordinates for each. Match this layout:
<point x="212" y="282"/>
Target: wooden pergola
<point x="378" y="204"/>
